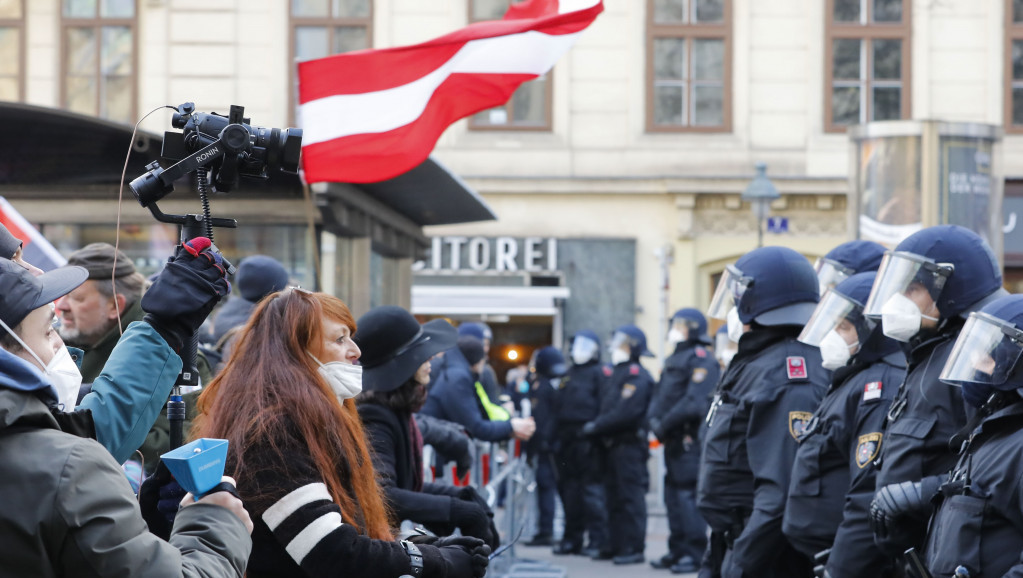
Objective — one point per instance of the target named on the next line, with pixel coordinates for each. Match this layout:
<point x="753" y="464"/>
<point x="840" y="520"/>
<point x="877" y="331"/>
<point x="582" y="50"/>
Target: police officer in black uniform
<point x="621" y="427"/>
<point x="578" y="458"/>
<point x="833" y="475"/>
<point x="764" y="400"/>
<point x="924" y="290"/>
<point x="680" y="403"/>
<point x="549" y="367"/>
<point x="978" y="527"/>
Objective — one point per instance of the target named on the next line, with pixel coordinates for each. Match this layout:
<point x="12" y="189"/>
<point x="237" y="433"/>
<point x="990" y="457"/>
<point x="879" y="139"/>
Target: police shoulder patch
<point x="628" y="390"/>
<point x="633" y="369"/>
<point x="700" y="352"/>
<point x="699" y="374"/>
<point x="798" y="420"/>
<point x="872" y="390"/>
<point x="867" y="449"/>
<point x="795" y="367"/>
<point x="564" y="382"/>
<point x="607" y="370"/>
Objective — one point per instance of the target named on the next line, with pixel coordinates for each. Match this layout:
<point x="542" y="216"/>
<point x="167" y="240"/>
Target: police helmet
<point x="636" y="339"/>
<point x="986" y="355"/>
<point x="846" y="260"/>
<point x="585" y="347"/>
<point x="769" y="286"/>
<point x="694" y="322"/>
<point x="550" y="362"/>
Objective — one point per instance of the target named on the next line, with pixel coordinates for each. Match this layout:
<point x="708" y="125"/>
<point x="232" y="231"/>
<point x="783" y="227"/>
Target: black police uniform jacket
<point x="577" y="402"/>
<point x="833" y="476"/>
<point x="924" y="416"/>
<point x="622" y="416"/>
<point x="764" y="401"/>
<point x="680" y="402"/>
<point x="981" y="527"/>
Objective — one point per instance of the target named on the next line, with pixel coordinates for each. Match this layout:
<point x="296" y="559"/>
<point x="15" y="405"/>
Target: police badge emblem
<point x="867" y="449"/>
<point x="798" y="420"/>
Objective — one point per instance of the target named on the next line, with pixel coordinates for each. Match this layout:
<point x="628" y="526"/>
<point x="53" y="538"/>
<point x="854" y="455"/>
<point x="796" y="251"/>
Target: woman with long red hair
<point x="284" y="402"/>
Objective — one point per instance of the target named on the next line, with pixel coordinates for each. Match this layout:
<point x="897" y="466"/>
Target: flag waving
<point x="371" y="115"/>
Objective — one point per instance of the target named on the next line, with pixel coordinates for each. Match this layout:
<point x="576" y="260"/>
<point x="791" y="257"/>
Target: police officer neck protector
<point x="903" y="275"/>
<point x="984" y="358"/>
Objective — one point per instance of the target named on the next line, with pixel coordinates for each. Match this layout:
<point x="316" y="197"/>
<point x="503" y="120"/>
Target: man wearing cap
<point x="396" y="353"/>
<point x="94" y="314"/>
<point x="68" y="507"/>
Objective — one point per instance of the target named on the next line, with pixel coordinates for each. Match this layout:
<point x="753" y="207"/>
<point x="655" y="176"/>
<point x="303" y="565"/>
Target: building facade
<point x="631" y="155"/>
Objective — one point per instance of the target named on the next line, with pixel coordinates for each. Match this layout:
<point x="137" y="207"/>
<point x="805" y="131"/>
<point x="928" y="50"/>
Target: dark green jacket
<point x="96" y="356"/>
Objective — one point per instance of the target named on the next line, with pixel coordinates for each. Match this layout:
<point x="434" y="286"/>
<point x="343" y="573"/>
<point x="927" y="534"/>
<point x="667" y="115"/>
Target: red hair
<point x="270" y="387"/>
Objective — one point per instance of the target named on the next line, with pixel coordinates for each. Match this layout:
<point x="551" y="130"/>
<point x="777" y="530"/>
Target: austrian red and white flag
<point x="35" y="248"/>
<point x="371" y="115"/>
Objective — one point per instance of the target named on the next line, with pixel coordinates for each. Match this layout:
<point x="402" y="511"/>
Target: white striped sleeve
<point x="302" y="519"/>
<point x="291" y="503"/>
<point x="311" y="535"/>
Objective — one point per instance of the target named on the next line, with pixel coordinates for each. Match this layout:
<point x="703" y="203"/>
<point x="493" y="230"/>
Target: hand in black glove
<point x="159" y="498"/>
<point x="894" y="502"/>
<point x="185" y="292"/>
<point x="657" y="429"/>
<point x="492" y="537"/>
<point x="462" y="556"/>
<point x="589" y="429"/>
<point x="470" y="517"/>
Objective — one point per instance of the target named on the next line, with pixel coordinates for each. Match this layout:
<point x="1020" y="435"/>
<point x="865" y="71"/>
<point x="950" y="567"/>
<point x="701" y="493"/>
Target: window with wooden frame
<point x="322" y="28"/>
<point x="689" y="65"/>
<point x="530" y="106"/>
<point x="1014" y="66"/>
<point x="12" y="50"/>
<point x="867" y="62"/>
<point x="99" y="67"/>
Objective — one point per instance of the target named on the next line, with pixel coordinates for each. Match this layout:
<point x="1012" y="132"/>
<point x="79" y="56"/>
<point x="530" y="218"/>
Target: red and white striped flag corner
<point x="371" y="115"/>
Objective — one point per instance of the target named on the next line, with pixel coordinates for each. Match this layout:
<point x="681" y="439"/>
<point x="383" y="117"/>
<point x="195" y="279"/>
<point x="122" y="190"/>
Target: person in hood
<point x="680" y="403"/>
<point x="833" y="476"/>
<point x="396" y="353"/>
<point x="69" y="508"/>
<point x="285" y="402"/>
<point x="761" y="405"/>
<point x="978" y="522"/>
<point x="925" y="290"/>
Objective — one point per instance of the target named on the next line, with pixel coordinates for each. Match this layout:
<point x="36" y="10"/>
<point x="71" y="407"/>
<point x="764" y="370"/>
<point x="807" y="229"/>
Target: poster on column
<point x="965" y="174"/>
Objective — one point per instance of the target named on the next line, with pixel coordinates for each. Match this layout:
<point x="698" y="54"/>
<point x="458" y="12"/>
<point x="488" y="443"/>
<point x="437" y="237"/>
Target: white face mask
<point x="901" y="318"/>
<point x="61" y="372"/>
<point x="835" y="352"/>
<point x="619" y="356"/>
<point x="583" y="351"/>
<point x="675" y="337"/>
<point x="344" y="378"/>
<point x="735" y="329"/>
<point x="727" y="355"/>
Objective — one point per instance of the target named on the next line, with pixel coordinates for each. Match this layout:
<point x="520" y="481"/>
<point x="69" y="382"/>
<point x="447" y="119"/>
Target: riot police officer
<point x="762" y="403"/>
<point x="833" y="475"/>
<point x="846" y="260"/>
<point x="680" y="403"/>
<point x="923" y="292"/>
<point x="578" y="458"/>
<point x="549" y="367"/>
<point x="978" y="527"/>
<point x="621" y="427"/>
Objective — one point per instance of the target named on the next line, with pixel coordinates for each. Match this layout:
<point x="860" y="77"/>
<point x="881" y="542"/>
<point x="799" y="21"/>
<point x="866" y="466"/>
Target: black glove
<point x="492" y="537"/>
<point x="159" y="499"/>
<point x="589" y="429"/>
<point x="456" y="557"/>
<point x="657" y="428"/>
<point x="470" y="518"/>
<point x="185" y="292"/>
<point x="897" y="501"/>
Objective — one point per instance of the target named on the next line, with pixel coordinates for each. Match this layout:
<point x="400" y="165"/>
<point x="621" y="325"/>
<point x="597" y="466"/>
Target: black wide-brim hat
<point x="394" y="345"/>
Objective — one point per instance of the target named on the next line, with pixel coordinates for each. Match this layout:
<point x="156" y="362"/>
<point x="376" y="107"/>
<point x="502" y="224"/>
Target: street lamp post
<point x="760" y="193"/>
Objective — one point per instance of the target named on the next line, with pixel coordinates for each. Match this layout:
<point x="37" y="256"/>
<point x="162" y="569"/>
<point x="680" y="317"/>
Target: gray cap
<point x="98" y="259"/>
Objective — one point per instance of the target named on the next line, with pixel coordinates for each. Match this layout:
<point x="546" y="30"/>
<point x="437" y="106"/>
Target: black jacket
<point x="765" y="399"/>
<point x="982" y="528"/>
<point x="682" y="397"/>
<point x="579" y="397"/>
<point x="622" y="415"/>
<point x="833" y="475"/>
<point x="394" y="461"/>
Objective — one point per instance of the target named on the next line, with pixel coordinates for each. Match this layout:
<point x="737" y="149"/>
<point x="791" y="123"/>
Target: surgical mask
<point x="619" y="356"/>
<point x="735" y="329"/>
<point x="727" y="355"/>
<point x="62" y="373"/>
<point x="901" y="318"/>
<point x="345" y="379"/>
<point x="675" y="337"/>
<point x="835" y="352"/>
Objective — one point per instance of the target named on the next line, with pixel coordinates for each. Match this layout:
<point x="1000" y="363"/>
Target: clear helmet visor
<point x="728" y="293"/>
<point x="830" y="312"/>
<point x="985" y="352"/>
<point x="831" y="273"/>
<point x="618" y="340"/>
<point x="583" y="348"/>
<point x="899" y="272"/>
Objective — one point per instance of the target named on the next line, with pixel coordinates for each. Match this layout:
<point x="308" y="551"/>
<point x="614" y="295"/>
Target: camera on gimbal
<point x="228" y="147"/>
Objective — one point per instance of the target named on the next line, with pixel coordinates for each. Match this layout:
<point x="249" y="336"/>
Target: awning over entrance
<point x="446" y="300"/>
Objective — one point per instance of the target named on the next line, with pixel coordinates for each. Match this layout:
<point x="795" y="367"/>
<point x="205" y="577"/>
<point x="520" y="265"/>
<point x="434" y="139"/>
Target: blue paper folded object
<point x="198" y="466"/>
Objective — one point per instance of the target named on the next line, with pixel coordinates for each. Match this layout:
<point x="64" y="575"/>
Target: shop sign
<point x="531" y="254"/>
